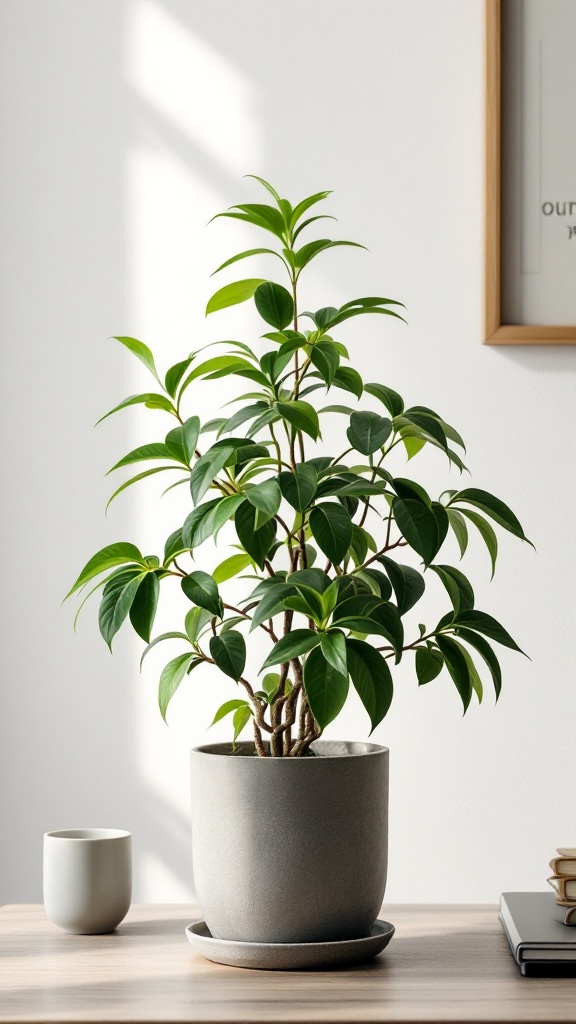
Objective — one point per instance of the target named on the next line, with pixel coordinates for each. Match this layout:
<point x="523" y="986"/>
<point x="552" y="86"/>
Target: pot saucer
<point x="284" y="956"/>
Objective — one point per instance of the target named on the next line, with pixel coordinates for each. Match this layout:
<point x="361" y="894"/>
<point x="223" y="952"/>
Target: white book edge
<point x="549" y="953"/>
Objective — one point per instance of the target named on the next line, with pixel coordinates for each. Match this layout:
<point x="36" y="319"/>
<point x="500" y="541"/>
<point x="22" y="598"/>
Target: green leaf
<point x="333" y="646"/>
<point x="312" y="249"/>
<point x="458" y="668"/>
<point x="331" y="528"/>
<point x="417" y="525"/>
<point x="211" y="524"/>
<point x="202" y="590"/>
<point x="429" y="663"/>
<point x="260" y="215"/>
<point x="324" y="356"/>
<point x="391" y="399"/>
<point x="301" y="208"/>
<point x="256" y="543"/>
<point x="159" y="639"/>
<point x="243" y="255"/>
<point x="408" y="584"/>
<point x="248" y="412"/>
<point x="368" y="431"/>
<point x="371" y="677"/>
<point x="367" y="624"/>
<point x="305" y="223"/>
<point x="193" y="520"/>
<point x="273" y="363"/>
<point x="234" y="620"/>
<point x="486" y="652"/>
<point x="459" y="588"/>
<point x="348" y="486"/>
<point x="142" y="352"/>
<point x="344" y="410"/>
<point x="370" y="303"/>
<point x="299" y="488"/>
<point x="230" y="567"/>
<point x="448" y="430"/>
<point x="442" y="522"/>
<point x="156" y="450"/>
<point x="426" y="423"/>
<point x="174" y="375"/>
<point x="475" y="680"/>
<point x="232" y="294"/>
<point x="227" y="708"/>
<point x="229" y="653"/>
<point x="481" y="622"/>
<point x="174" y="546"/>
<point x="206" y="469"/>
<point x="101" y="583"/>
<point x="493" y="507"/>
<point x="487" y="533"/>
<point x="413" y="445"/>
<point x="348" y="311"/>
<point x="298" y="642"/>
<point x="379" y="583"/>
<point x="275" y="304"/>
<point x="106" y="558"/>
<point x="310" y="602"/>
<point x="265" y="498"/>
<point x="358" y="544"/>
<point x="301" y="415"/>
<point x="182" y="441"/>
<point x="270" y="416"/>
<point x="386" y="615"/>
<point x="240" y="721"/>
<point x="458" y="524"/>
<point x="410" y="489"/>
<point x="348" y="379"/>
<point x="195" y="621"/>
<point x="117" y="598"/>
<point x="326" y="688"/>
<point x="136" y="479"/>
<point x="270" y="684"/>
<point x="149" y="399"/>
<point x="266" y="185"/>
<point x="315" y="578"/>
<point x="218" y="366"/>
<point x="172" y="675"/>
<point x="271" y="603"/>
<point x="144" y="604"/>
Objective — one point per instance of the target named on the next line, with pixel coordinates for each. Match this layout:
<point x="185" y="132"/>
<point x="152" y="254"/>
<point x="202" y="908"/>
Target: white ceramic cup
<point x="87" y="879"/>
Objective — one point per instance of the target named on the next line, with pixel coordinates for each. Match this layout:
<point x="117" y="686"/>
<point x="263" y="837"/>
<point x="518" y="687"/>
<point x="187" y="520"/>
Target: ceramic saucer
<point x="283" y="956"/>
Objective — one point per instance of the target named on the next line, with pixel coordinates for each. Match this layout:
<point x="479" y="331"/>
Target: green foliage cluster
<point x="316" y="534"/>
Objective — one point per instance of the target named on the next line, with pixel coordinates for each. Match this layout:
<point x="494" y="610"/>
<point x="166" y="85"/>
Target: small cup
<point x="87" y="879"/>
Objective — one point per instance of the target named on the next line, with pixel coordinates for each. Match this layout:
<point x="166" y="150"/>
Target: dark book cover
<point x="539" y="941"/>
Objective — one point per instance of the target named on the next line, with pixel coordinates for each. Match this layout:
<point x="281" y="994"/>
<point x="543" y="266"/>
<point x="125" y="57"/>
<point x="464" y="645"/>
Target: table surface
<point x="445" y="963"/>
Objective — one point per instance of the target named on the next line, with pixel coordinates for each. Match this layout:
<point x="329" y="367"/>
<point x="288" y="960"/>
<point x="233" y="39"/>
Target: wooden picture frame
<point x="495" y="331"/>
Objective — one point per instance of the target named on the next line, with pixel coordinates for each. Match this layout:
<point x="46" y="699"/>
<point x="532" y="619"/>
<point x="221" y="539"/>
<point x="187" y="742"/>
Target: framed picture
<point x="530" y="226"/>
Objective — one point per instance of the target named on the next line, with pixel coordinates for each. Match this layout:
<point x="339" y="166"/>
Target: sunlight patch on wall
<point x="158" y="884"/>
<point x="191" y="85"/>
<point x="196" y="133"/>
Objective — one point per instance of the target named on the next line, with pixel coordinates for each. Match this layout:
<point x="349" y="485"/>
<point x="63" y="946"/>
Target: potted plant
<point x="290" y="831"/>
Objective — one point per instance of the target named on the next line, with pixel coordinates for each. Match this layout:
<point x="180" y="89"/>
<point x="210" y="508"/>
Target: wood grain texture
<point x="446" y="963"/>
<point x="496" y="333"/>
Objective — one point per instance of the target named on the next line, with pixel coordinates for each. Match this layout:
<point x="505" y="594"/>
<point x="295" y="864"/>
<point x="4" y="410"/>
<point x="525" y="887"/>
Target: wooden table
<point x="447" y="963"/>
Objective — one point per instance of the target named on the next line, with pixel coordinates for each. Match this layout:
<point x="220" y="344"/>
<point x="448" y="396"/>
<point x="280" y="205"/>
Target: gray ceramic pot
<point x="290" y="849"/>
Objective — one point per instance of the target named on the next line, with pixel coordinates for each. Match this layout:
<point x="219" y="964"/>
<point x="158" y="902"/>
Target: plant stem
<point x="260" y="748"/>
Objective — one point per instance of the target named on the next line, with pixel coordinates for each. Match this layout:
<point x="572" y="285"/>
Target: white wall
<point x="126" y="124"/>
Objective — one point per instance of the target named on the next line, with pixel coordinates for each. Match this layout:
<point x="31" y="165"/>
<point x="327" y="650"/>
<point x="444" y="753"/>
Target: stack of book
<point x="563" y="881"/>
<point x="539" y="940"/>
